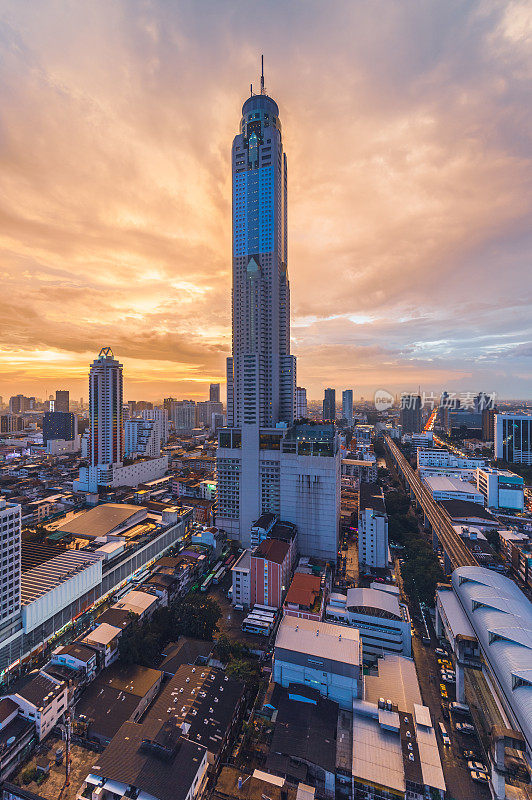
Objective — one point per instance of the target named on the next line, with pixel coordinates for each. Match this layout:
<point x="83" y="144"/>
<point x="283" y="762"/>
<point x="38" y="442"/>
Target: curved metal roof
<point x="501" y="616"/>
<point x="373" y="598"/>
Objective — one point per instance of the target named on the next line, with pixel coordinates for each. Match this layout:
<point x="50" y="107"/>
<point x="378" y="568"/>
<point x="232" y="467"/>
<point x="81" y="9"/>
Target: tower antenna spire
<point x="262" y="74"/>
<point x="251" y="90"/>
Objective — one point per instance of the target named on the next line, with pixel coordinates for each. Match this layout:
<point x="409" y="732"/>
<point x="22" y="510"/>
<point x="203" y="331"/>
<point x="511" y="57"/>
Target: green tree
<point x="245" y="670"/>
<point x="196" y="616"/>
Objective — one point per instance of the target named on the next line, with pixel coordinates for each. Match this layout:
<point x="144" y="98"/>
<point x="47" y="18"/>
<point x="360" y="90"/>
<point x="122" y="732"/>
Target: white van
<point x="460" y="708"/>
<point x="444" y="735"/>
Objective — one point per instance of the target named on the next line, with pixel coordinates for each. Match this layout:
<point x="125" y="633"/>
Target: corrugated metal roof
<point x="501" y="616"/>
<point x="320" y="639"/>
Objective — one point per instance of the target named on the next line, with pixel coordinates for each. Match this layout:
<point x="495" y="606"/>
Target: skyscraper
<point x="214" y="393"/>
<point x="9" y="560"/>
<point x="59" y="425"/>
<point x="329" y="405"/>
<point x="105" y="406"/>
<point x="62" y="401"/>
<point x="347" y="405"/>
<point x="410" y="413"/>
<point x="265" y="463"/>
<point x="301" y="403"/>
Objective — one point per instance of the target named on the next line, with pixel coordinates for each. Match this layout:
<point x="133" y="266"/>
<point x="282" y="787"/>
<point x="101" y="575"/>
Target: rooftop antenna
<point x="262" y="74"/>
<point x="251" y="90"/>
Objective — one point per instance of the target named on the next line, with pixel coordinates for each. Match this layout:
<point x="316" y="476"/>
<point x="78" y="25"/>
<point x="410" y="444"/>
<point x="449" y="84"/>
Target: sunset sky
<point x="407" y="130"/>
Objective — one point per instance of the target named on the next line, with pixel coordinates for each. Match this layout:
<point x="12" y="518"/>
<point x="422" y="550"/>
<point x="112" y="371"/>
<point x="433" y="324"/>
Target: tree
<point x="196" y="616"/>
<point x="245" y="670"/>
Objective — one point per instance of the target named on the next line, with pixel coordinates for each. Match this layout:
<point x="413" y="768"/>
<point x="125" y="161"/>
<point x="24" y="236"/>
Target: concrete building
<point x="214" y="392"/>
<point x="435" y="457"/>
<point x="301" y="403"/>
<point x="306" y="597"/>
<point x="271" y="566"/>
<point x="347" y="405"/>
<point x="262" y="464"/>
<point x="363" y="471"/>
<point x="9" y="563"/>
<point x="410" y="413"/>
<point x="373" y="553"/>
<point x="241" y="577"/>
<point x="59" y="425"/>
<point x="513" y="438"/>
<point x="501" y="488"/>
<point x="160" y="418"/>
<point x="105" y="410"/>
<point x="316" y="654"/>
<point x="382" y="621"/>
<point x="329" y="405"/>
<point x="142" y="438"/>
<point x="182" y="415"/>
<point x="42" y="699"/>
<point x="62" y="401"/>
<point x="443" y="488"/>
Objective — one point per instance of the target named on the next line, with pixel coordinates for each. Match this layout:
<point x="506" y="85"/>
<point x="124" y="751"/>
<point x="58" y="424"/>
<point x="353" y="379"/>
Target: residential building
<point x="363" y="471"/>
<point x="214" y="392"/>
<point x="182" y="415"/>
<point x="11" y="423"/>
<point x="488" y="424"/>
<point x="42" y="699"/>
<point x="143" y="604"/>
<point x="501" y="488"/>
<point x="10" y="566"/>
<point x="271" y="566"/>
<point x="105" y="409"/>
<point x="265" y="463"/>
<point x="17" y="738"/>
<point x="347" y="405"/>
<point x="78" y="657"/>
<point x="373" y="553"/>
<point x="381" y="619"/>
<point x="241" y="578"/>
<point x="142" y="438"/>
<point x="205" y="411"/>
<point x="62" y="401"/>
<point x="301" y="403"/>
<point x="59" y="425"/>
<point x="443" y="488"/>
<point x="103" y="639"/>
<point x="410" y="413"/>
<point x="306" y="597"/>
<point x="329" y="405"/>
<point x="316" y="654"/>
<point x="160" y="418"/>
<point x="513" y="438"/>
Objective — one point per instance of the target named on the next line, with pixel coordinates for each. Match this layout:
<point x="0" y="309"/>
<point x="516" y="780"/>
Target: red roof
<point x="304" y="589"/>
<point x="272" y="550"/>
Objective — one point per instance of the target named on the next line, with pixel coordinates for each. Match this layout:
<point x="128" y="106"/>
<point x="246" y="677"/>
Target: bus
<point x="217" y="577"/>
<point x="255" y="626"/>
<point x="206" y="583"/>
<point x="269" y="609"/>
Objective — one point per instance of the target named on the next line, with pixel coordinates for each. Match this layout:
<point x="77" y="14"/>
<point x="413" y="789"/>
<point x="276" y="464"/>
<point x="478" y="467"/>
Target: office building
<point x="265" y="463"/>
<point x="410" y="413"/>
<point x="488" y="424"/>
<point x="372" y="529"/>
<point x="19" y="403"/>
<point x="142" y="438"/>
<point x="329" y="405"/>
<point x="11" y="423"/>
<point x="513" y="438"/>
<point x="62" y="401"/>
<point x="347" y="405"/>
<point x="214" y="392"/>
<point x="301" y="403"/>
<point x="316" y="654"/>
<point x="463" y="422"/>
<point x="434" y="457"/>
<point x="61" y="425"/>
<point x="501" y="488"/>
<point x="182" y="414"/>
<point x="381" y="619"/>
<point x="10" y="525"/>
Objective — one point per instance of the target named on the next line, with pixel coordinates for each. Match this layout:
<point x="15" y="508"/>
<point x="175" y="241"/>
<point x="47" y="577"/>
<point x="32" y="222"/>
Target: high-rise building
<point x="160" y="417"/>
<point x="59" y="425"/>
<point x="11" y="423"/>
<point x="204" y="411"/>
<point x="19" y="403"/>
<point x="301" y="403"/>
<point x="265" y="463"/>
<point x="214" y="393"/>
<point x="142" y="438"/>
<point x="182" y="414"/>
<point x="105" y="408"/>
<point x="372" y="528"/>
<point x="329" y="405"/>
<point x="9" y="560"/>
<point x="62" y="401"/>
<point x="347" y="405"/>
<point x="513" y="438"/>
<point x="410" y="414"/>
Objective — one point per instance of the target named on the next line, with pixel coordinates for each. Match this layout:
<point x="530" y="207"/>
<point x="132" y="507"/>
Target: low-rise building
<point x="17" y="736"/>
<point x="143" y="604"/>
<point x="321" y="655"/>
<point x="382" y="621"/>
<point x="103" y="639"/>
<point x="443" y="488"/>
<point x="306" y="597"/>
<point x="501" y="488"/>
<point x="241" y="577"/>
<point x="41" y="699"/>
<point x="271" y="564"/>
<point x="77" y="656"/>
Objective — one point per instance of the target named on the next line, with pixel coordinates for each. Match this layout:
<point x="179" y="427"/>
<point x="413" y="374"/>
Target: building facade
<point x="513" y="438"/>
<point x="105" y="405"/>
<point x="59" y="425"/>
<point x="501" y="488"/>
<point x="410" y="414"/>
<point x="347" y="405"/>
<point x="9" y="561"/>
<point x="262" y="463"/>
<point x="329" y="405"/>
<point x="301" y="403"/>
<point x="62" y="401"/>
<point x="372" y="529"/>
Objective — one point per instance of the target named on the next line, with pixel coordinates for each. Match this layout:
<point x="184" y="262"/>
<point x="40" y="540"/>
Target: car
<point x="480" y="777"/>
<point x="440" y="651"/>
<point x="469" y="754"/>
<point x="476" y="766"/>
<point x="444" y="735"/>
<point x="465" y="727"/>
<point x="445" y="710"/>
<point x="443" y="690"/>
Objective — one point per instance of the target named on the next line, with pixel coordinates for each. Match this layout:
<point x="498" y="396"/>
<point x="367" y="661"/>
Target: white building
<point x="241" y="576"/>
<point x="10" y="526"/>
<point x="319" y="655"/>
<point x="364" y="471"/>
<point x="142" y="438"/>
<point x="141" y="471"/>
<point x="42" y="699"/>
<point x="105" y="409"/>
<point x="382" y="621"/>
<point x="182" y="414"/>
<point x="160" y="417"/>
<point x="301" y="403"/>
<point x="501" y="488"/>
<point x="513" y="438"/>
<point x="373" y="553"/>
<point x="434" y="457"/>
<point x="443" y="488"/>
<point x="459" y="473"/>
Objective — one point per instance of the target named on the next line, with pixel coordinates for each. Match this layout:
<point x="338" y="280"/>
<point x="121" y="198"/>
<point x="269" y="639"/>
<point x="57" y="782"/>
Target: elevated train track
<point x="439" y="520"/>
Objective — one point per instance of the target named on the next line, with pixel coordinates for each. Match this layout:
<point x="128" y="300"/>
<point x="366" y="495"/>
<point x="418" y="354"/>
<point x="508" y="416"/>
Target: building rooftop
<point x="272" y="550"/>
<point x="320" y="639"/>
<point x="184" y="651"/>
<point x="102" y="634"/>
<point x="440" y="483"/>
<point x="37" y="689"/>
<point x="464" y="509"/>
<point x="371" y="496"/>
<point x="49" y="575"/>
<point x="103" y="520"/>
<point x="76" y="650"/>
<point x="303" y="590"/>
<point x="152" y="758"/>
<point x="117" y="617"/>
<point x="136" y="601"/>
<point x="370" y="600"/>
<point x="256" y="787"/>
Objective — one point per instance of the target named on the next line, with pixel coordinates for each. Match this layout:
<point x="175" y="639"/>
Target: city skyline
<point x="116" y="230"/>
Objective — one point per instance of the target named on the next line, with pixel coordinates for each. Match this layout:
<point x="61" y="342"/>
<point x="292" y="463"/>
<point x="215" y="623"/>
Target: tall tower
<point x="266" y="464"/>
<point x="105" y="409"/>
<point x="261" y="372"/>
<point x="347" y="405"/>
<point x="214" y="392"/>
<point x="62" y="401"/>
<point x="329" y="405"/>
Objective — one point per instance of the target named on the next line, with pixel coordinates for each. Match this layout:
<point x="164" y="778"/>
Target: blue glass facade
<point x="253" y="211"/>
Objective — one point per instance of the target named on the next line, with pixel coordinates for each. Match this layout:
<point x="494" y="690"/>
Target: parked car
<point x="443" y="690"/>
<point x="445" y="710"/>
<point x="480" y="777"/>
<point x="476" y="766"/>
<point x="469" y="754"/>
<point x="444" y="735"/>
<point x="440" y="651"/>
<point x="465" y="727"/>
<point x="460" y="708"/>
